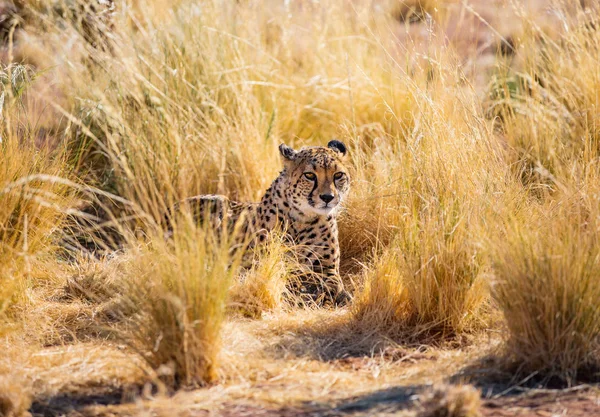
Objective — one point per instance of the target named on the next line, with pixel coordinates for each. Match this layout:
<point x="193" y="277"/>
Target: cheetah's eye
<point x="338" y="176"/>
<point x="310" y="176"/>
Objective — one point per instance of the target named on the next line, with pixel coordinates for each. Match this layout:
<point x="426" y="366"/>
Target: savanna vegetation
<point x="470" y="238"/>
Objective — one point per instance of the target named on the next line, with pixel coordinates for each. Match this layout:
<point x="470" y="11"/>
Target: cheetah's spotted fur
<point x="303" y="201"/>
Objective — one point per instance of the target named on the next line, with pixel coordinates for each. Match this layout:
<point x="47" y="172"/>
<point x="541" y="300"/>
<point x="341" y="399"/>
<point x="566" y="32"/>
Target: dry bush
<point x="546" y="256"/>
<point x="547" y="287"/>
<point x="436" y="194"/>
<point x="547" y="113"/>
<point x="34" y="196"/>
<point x="175" y="294"/>
<point x="434" y="288"/>
<point x="451" y="401"/>
<point x="262" y="287"/>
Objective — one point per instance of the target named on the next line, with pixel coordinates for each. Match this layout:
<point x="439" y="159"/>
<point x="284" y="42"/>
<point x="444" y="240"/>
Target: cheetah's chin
<point x="324" y="211"/>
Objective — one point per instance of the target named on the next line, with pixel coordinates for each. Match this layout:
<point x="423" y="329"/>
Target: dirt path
<point x="399" y="401"/>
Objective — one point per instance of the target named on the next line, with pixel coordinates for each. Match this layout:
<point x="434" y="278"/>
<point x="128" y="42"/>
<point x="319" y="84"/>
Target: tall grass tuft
<point x="34" y="196"/>
<point x="547" y="288"/>
<point x="547" y="111"/>
<point x="546" y="258"/>
<point x="262" y="288"/>
<point x="435" y="190"/>
<point x="178" y="290"/>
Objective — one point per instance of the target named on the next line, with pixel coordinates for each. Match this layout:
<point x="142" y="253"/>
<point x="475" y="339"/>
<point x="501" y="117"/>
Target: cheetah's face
<point x="318" y="181"/>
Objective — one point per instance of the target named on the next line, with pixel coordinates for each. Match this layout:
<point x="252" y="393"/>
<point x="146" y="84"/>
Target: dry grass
<point x="74" y="301"/>
<point x="451" y="401"/>
<point x="16" y="388"/>
<point x="549" y="108"/>
<point x="547" y="289"/>
<point x="34" y="196"/>
<point x="546" y="256"/>
<point x="263" y="287"/>
<point x="454" y="187"/>
<point x="435" y="192"/>
<point x="15" y="399"/>
<point x="174" y="302"/>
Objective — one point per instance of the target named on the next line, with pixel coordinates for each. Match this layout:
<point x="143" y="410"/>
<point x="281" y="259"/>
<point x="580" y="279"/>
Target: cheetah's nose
<point x="326" y="198"/>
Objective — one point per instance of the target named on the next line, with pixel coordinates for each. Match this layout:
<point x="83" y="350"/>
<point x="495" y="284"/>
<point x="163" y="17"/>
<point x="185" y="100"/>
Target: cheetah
<point x="303" y="203"/>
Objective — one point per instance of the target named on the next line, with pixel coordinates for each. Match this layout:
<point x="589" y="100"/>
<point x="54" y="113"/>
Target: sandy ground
<point x="287" y="365"/>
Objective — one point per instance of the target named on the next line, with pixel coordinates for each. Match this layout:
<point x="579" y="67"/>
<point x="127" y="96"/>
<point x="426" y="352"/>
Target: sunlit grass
<point x="547" y="288"/>
<point x="167" y="100"/>
<point x="174" y="301"/>
<point x="35" y="200"/>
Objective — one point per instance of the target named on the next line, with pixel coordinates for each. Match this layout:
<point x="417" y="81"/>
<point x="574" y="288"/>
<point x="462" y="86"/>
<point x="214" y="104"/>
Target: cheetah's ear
<point x="288" y="153"/>
<point x="338" y="146"/>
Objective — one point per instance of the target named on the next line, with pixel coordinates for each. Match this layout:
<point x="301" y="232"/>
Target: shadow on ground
<point x="506" y="391"/>
<point x="381" y="402"/>
<point x="498" y="376"/>
<point x="339" y="338"/>
<point x="578" y="401"/>
<point x="75" y="403"/>
<point x="64" y="404"/>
